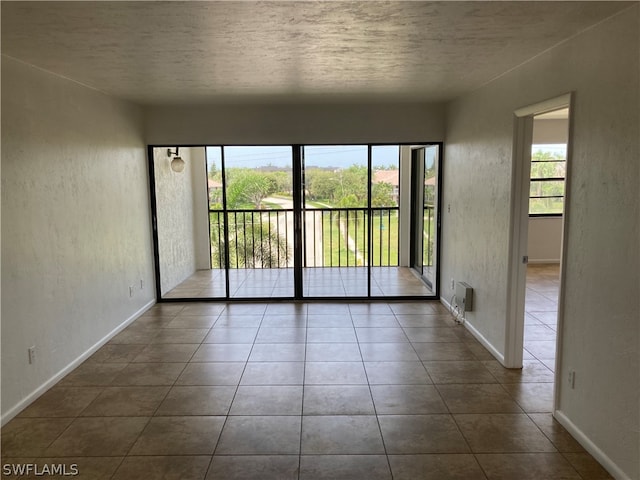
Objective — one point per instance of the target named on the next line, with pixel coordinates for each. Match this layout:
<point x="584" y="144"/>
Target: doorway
<point x="542" y="159"/>
<point x="425" y="215"/>
<point x="545" y="231"/>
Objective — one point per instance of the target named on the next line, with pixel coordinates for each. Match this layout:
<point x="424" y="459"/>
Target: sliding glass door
<point x="254" y="221"/>
<point x="425" y="162"/>
<point x="297" y="221"/>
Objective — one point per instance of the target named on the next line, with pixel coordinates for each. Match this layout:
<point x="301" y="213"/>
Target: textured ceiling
<point x="182" y="52"/>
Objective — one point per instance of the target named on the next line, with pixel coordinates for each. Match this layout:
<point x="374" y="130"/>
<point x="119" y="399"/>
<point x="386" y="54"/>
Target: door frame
<point x="519" y="228"/>
<point x="417" y="204"/>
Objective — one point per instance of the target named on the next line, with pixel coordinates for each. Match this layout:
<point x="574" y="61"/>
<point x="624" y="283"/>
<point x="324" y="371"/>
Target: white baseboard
<point x="478" y="336"/>
<point x="33" y="396"/>
<point x="602" y="458"/>
<point x="542" y="260"/>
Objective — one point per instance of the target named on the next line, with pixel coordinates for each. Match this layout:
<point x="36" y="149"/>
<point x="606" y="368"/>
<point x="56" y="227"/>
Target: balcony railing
<point x="332" y="237"/>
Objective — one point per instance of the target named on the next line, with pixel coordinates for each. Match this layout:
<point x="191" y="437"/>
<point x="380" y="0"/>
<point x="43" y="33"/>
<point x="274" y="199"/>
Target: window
<point x="548" y="169"/>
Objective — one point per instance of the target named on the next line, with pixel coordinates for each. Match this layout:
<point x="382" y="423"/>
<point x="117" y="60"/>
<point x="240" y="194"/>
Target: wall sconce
<point x="177" y="163"/>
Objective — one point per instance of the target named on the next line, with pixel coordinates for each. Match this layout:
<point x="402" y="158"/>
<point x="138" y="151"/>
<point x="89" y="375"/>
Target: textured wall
<point x="305" y="123"/>
<point x="600" y="318"/>
<point x="75" y="224"/>
<point x="176" y="219"/>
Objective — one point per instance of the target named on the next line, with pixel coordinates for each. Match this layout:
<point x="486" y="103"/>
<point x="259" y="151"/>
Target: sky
<point x="340" y="156"/>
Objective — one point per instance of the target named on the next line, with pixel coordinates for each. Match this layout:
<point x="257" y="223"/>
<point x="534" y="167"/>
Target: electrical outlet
<point x="32" y="354"/>
<point x="141" y="284"/>
<point x="453" y="284"/>
<point x="572" y="379"/>
<point x="130" y="290"/>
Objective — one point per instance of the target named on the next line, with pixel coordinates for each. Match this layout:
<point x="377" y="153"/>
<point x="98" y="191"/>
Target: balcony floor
<point x="317" y="282"/>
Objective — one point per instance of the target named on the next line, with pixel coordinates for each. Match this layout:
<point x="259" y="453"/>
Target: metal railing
<point x="332" y="237"/>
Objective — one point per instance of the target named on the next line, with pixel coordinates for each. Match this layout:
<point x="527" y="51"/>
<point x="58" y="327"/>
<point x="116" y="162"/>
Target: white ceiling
<point x="181" y="52"/>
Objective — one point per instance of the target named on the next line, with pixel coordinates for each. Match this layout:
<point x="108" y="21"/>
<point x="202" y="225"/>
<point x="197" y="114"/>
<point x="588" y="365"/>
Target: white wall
<point x="75" y="225"/>
<point x="285" y="124"/>
<point x="544" y="239"/>
<point x="600" y="316"/>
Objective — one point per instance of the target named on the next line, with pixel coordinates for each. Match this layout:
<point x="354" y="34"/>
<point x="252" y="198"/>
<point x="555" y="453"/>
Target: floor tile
<point x="381" y="335"/>
<point x="180" y="335"/>
<point x="431" y="334"/>
<point x="532" y="397"/>
<point x="256" y="467"/>
<point x="278" y="352"/>
<point x="342" y="434"/>
<point x="331" y="335"/>
<point x="407" y="399"/>
<point x="62" y="402"/>
<point x="435" y="351"/>
<point x="541" y="349"/>
<point x="281" y="335"/>
<point x="98" y="436"/>
<point x="126" y="402"/>
<point x="333" y="352"/>
<point x="284" y="321"/>
<point x="532" y="371"/>
<point x="273" y="373"/>
<point x="436" y="467"/>
<point x="459" y="372"/>
<point x="134" y="335"/>
<point x="260" y="435"/>
<point x="374" y="320"/>
<point x="587" y="466"/>
<point x="478" y="398"/>
<point x="335" y="373"/>
<point x="24" y="437"/>
<point x="92" y="374"/>
<point x="179" y="436"/>
<point x="338" y="400"/>
<point x="119" y="353"/>
<point x="197" y="400"/>
<point x="231" y="335"/>
<point x="555" y="432"/>
<point x="425" y="320"/>
<point x="172" y="352"/>
<point x="191" y="467"/>
<point x="238" y="321"/>
<point x="149" y="374"/>
<point x="410" y="434"/>
<point x="344" y="467"/>
<point x="526" y="466"/>
<point x="267" y="400"/>
<point x="397" y="373"/>
<point x="211" y="373"/>
<point x="502" y="433"/>
<point x="388" y="352"/>
<point x="203" y="309"/>
<point x="193" y="321"/>
<point x="229" y="352"/>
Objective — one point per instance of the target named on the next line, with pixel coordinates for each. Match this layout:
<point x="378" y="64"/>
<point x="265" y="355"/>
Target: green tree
<point x="382" y="195"/>
<point x="320" y="184"/>
<point x="245" y="186"/>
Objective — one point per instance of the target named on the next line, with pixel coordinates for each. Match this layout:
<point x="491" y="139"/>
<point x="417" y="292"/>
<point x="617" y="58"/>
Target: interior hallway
<point x="299" y="391"/>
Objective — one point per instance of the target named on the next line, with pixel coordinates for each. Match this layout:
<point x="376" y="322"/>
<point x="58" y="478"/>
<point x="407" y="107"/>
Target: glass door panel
<point x="424" y="215"/>
<point x="258" y="211"/>
<point x="335" y="220"/>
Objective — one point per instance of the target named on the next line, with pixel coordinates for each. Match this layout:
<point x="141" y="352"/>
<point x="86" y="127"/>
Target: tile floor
<point x="298" y="391"/>
<point x="541" y="313"/>
<point x="317" y="282"/>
